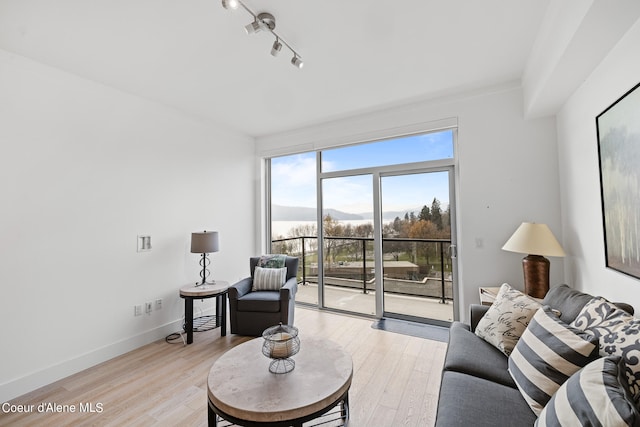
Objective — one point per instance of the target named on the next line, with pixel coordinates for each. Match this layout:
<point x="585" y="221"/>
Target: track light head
<point x="297" y="61"/>
<point x="276" y="48"/>
<point x="230" y="4"/>
<point x="253" y="27"/>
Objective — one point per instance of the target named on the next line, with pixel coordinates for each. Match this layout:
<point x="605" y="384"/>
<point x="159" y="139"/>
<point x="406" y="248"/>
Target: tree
<point x="304" y="230"/>
<point x="436" y="213"/>
<point x="425" y="214"/>
<point x="331" y="227"/>
<point x="397" y="225"/>
<point x="423" y="230"/>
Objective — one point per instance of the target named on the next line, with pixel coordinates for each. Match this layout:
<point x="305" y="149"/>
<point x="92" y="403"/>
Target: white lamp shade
<point x="534" y="239"/>
<point x="204" y="242"/>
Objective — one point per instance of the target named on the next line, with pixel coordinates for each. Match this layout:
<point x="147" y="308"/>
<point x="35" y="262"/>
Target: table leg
<point x="345" y="409"/>
<point x="212" y="417"/>
<point x="188" y="319"/>
<point x="223" y="314"/>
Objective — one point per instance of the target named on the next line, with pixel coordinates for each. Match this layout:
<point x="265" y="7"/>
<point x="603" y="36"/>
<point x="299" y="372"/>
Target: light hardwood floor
<point x="395" y="381"/>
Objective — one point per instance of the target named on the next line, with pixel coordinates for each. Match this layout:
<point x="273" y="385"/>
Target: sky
<point x="293" y="178"/>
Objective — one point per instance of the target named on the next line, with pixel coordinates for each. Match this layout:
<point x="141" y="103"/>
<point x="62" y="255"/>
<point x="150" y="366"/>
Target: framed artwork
<point x="619" y="157"/>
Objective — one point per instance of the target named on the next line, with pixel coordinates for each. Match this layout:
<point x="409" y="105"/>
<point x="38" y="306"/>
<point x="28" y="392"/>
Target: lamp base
<point x="536" y="275"/>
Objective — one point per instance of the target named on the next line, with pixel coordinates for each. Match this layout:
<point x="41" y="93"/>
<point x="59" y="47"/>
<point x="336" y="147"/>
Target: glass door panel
<point x="293" y="216"/>
<point x="416" y="240"/>
<point x="348" y="257"/>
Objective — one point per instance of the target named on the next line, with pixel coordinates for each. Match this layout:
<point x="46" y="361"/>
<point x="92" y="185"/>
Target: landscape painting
<point x="618" y="130"/>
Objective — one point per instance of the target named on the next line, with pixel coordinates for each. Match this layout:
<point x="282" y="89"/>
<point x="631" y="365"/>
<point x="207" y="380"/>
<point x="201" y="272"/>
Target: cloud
<point x="293" y="180"/>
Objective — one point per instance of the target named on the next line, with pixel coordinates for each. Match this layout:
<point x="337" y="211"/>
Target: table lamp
<point x="537" y="241"/>
<point x="204" y="242"/>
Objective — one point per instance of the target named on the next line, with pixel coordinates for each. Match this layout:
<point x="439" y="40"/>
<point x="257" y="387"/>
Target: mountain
<point x="297" y="213"/>
<point x="391" y="215"/>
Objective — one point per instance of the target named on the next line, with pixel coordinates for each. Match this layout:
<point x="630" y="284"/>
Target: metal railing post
<point x="442" y="270"/>
<point x="304" y="270"/>
<point x="364" y="267"/>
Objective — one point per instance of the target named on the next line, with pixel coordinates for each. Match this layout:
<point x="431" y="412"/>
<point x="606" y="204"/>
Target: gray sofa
<point x="476" y="387"/>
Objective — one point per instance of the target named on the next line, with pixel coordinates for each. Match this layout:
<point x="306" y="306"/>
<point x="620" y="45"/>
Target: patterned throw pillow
<point x="272" y="261"/>
<point x="619" y="334"/>
<point x="547" y="354"/>
<point x="595" y="396"/>
<point x="507" y="318"/>
<point x="268" y="279"/>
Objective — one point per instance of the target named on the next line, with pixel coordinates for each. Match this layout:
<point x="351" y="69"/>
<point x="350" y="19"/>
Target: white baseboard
<point x="30" y="382"/>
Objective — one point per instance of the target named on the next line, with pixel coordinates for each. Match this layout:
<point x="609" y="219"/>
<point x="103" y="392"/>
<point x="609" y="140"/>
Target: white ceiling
<point x="360" y="55"/>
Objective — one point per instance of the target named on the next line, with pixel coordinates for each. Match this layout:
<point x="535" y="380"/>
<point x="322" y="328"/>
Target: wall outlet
<point x="158" y="303"/>
<point x="147" y="307"/>
<point x="137" y="310"/>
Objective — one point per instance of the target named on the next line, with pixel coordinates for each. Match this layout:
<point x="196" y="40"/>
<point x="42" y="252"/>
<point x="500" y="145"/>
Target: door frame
<point x="450" y="169"/>
<point x="377" y="173"/>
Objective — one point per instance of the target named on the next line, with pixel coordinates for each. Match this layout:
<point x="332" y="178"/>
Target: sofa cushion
<point x="507" y="318"/>
<point x="466" y="400"/>
<point x="260" y="301"/>
<point x="268" y="279"/>
<point x="597" y="395"/>
<point x="469" y="354"/>
<point x="619" y="334"/>
<point x="567" y="301"/>
<point x="548" y="353"/>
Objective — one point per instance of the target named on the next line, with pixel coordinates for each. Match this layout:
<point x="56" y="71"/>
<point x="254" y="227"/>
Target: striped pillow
<point x="268" y="279"/>
<point x="599" y="395"/>
<point x="547" y="354"/>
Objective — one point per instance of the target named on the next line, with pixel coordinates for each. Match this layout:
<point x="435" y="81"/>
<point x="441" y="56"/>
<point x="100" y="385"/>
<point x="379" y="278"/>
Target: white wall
<point x="578" y="153"/>
<point x="84" y="169"/>
<point x="508" y="173"/>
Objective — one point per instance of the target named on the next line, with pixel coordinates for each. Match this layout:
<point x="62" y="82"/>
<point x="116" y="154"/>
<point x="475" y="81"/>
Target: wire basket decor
<point x="280" y="343"/>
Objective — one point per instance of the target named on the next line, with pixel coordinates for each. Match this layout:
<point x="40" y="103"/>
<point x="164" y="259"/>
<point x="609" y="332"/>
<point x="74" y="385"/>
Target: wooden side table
<point x="488" y="294"/>
<point x="208" y="290"/>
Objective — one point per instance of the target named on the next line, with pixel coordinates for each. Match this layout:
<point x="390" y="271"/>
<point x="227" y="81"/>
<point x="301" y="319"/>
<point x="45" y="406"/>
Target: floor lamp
<point x="537" y="241"/>
<point x="204" y="242"/>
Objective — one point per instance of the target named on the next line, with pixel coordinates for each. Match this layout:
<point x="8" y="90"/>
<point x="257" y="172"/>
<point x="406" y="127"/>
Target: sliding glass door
<point x="417" y="268"/>
<point x="372" y="225"/>
<point x="347" y="236"/>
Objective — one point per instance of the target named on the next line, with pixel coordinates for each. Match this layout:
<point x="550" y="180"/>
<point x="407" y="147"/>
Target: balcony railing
<point x="416" y="267"/>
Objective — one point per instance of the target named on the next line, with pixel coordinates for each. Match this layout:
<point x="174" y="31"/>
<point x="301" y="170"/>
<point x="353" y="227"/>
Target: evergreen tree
<point x="436" y="213"/>
<point x="425" y="214"/>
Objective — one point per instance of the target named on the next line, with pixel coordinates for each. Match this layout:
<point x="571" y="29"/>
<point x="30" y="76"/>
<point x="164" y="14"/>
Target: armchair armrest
<point x="289" y="289"/>
<point x="241" y="288"/>
<point x="477" y="311"/>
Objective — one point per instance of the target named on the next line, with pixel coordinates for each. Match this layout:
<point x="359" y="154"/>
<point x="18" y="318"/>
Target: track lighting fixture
<point x="276" y="48"/>
<point x="265" y="22"/>
<point x="230" y="4"/>
<point x="253" y="27"/>
<point x="297" y="61"/>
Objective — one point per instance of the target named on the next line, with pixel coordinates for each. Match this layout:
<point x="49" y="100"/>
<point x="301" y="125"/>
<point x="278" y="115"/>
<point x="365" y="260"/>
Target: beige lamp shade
<point x="534" y="239"/>
<point x="204" y="242"/>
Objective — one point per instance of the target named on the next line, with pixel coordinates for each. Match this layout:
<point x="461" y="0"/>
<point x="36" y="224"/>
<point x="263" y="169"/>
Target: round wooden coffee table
<point x="242" y="390"/>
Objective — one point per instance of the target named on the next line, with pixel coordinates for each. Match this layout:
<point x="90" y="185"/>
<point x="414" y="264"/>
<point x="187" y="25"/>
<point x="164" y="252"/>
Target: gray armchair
<point x="250" y="313"/>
